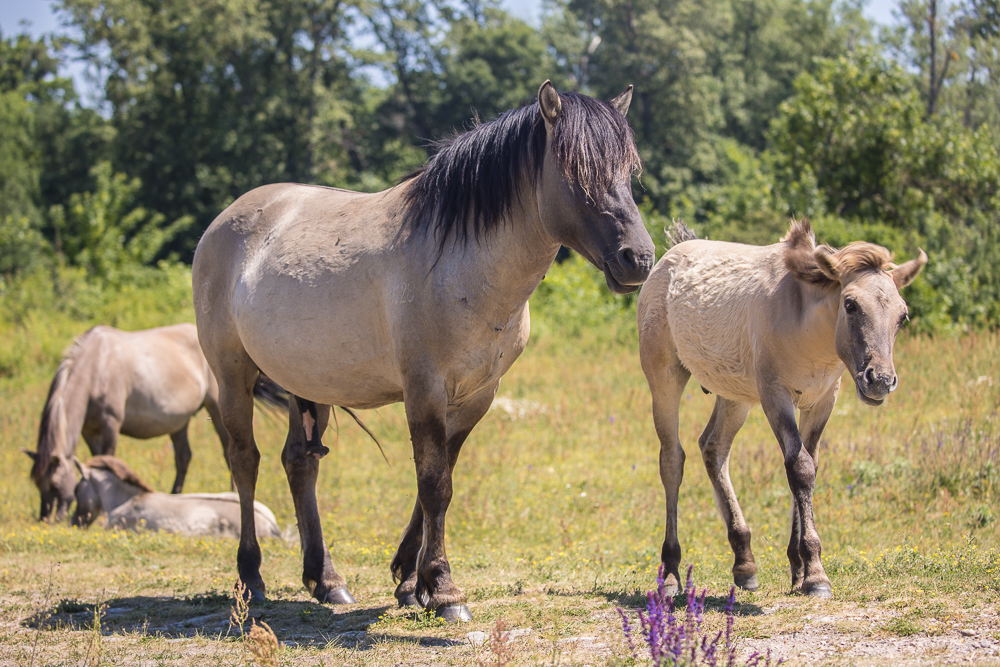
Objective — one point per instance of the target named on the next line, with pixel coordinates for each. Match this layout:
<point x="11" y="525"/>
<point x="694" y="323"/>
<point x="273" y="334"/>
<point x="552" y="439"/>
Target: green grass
<point x="556" y="520"/>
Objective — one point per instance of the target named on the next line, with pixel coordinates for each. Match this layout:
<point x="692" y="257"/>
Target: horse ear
<point x="32" y="455"/>
<point x="905" y="273"/>
<point x="83" y="470"/>
<point x="825" y="262"/>
<point x="622" y="101"/>
<point x="549" y="103"/>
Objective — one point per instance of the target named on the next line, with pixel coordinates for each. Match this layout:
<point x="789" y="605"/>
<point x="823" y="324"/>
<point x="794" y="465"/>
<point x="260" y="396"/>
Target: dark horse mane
<point x="52" y="429"/>
<point x="474" y="179"/>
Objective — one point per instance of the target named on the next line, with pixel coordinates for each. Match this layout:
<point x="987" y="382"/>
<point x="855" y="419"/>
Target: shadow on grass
<point x="632" y="601"/>
<point x="294" y="622"/>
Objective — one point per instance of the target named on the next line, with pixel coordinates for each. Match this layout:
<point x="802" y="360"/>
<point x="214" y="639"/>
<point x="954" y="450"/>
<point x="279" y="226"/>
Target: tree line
<point x="746" y="113"/>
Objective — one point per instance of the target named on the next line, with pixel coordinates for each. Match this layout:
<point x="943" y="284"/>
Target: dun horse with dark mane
<point x="416" y="294"/>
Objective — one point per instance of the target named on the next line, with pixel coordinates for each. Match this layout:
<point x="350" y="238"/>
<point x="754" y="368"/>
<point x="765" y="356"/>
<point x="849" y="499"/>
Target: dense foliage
<point x="747" y="112"/>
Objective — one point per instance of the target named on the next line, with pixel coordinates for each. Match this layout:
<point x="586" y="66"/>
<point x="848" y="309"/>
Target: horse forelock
<point x="52" y="429"/>
<point x="120" y="470"/>
<point x="863" y="256"/>
<point x="475" y="177"/>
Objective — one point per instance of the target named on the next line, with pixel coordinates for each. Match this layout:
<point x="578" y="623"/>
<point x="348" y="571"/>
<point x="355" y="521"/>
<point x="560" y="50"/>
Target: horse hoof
<point x="256" y="595"/>
<point x="454" y="613"/>
<point x="408" y="600"/>
<point x="747" y="583"/>
<point x="339" y="596"/>
<point x="822" y="590"/>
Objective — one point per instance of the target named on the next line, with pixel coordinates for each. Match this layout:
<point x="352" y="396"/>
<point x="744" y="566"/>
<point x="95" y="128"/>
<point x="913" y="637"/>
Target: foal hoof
<point x="747" y="583"/>
<point x="338" y="596"/>
<point x="318" y="452"/>
<point x="454" y="613"/>
<point x="822" y="590"/>
<point x="408" y="600"/>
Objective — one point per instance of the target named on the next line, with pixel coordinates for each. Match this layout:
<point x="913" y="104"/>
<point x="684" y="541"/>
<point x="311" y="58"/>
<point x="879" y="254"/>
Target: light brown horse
<point x="416" y="294"/>
<point x="108" y="485"/>
<point x="144" y="384"/>
<point x="775" y="325"/>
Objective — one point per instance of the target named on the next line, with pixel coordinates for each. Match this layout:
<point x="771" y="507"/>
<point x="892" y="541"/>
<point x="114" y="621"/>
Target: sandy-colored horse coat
<point x="144" y="384"/>
<point x="108" y="485"/>
<point x="416" y="294"/>
<point x="775" y="325"/>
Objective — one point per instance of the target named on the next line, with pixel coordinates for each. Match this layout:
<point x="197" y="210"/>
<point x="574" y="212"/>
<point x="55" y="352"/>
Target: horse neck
<point x="65" y="411"/>
<point x="822" y="307"/>
<point x="112" y="490"/>
<point x="510" y="261"/>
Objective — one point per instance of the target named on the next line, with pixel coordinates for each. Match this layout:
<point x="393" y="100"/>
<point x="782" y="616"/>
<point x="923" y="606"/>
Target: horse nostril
<point x="626" y="257"/>
<point x="895" y="383"/>
<point x="869" y="376"/>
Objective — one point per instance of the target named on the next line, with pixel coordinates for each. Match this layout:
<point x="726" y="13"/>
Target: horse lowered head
<point x="585" y="193"/>
<point x="870" y="307"/>
<point x="55" y="481"/>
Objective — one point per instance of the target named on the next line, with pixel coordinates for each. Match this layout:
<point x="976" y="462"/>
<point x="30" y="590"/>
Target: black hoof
<point x="317" y="452"/>
<point x="338" y="596"/>
<point x="408" y="600"/>
<point x="256" y="595"/>
<point x="747" y="583"/>
<point x="822" y="590"/>
<point x="454" y="613"/>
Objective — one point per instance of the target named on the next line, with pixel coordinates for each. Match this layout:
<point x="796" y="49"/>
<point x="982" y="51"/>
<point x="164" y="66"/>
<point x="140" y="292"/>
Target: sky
<point x="41" y="18"/>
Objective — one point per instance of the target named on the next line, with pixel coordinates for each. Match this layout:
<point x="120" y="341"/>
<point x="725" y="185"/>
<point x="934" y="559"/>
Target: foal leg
<point x="306" y="423"/>
<point x="811" y="425"/>
<point x="800" y="468"/>
<point x="716" y="444"/>
<point x="182" y="457"/>
<point x="667" y="377"/>
<point x="404" y="564"/>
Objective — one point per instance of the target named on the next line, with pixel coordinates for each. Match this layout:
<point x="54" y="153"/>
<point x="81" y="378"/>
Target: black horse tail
<point x="679" y="233"/>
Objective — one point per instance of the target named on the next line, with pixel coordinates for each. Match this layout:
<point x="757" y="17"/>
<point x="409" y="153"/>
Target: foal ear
<point x="622" y="101"/>
<point x="549" y="103"/>
<point x="826" y="263"/>
<point x="83" y="470"/>
<point x="905" y="273"/>
<point x="32" y="455"/>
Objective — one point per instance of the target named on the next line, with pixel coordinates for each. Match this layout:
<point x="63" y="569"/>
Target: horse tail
<point x="367" y="430"/>
<point x="272" y="394"/>
<point x="52" y="429"/>
<point x="679" y="233"/>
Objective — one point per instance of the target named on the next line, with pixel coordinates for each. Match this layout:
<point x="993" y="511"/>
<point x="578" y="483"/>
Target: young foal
<point x="108" y="485"/>
<point x="775" y="325"/>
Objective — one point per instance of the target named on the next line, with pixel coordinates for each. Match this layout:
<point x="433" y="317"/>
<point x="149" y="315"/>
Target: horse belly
<point x="330" y="345"/>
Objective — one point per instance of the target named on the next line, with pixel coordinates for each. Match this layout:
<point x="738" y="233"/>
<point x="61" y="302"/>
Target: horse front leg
<point x="460" y="423"/>
<point x="182" y="457"/>
<point x="306" y="423"/>
<point x="800" y="469"/>
<point x="426" y="401"/>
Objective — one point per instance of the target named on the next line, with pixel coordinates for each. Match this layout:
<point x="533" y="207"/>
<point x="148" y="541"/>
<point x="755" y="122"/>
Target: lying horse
<point x="417" y="294"/>
<point x="774" y="325"/>
<point x="144" y="384"/>
<point x="108" y="485"/>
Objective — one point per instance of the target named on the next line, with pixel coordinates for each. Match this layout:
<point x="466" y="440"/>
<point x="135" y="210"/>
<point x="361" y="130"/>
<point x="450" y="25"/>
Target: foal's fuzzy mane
<point x="801" y="250"/>
<point x="474" y="179"/>
<point x="119" y="469"/>
<point x="52" y="429"/>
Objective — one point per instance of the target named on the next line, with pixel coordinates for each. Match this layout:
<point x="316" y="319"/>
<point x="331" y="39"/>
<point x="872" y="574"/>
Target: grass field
<point x="556" y="521"/>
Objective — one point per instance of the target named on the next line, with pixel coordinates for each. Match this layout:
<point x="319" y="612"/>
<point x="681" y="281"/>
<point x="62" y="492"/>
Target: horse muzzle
<point x="627" y="268"/>
<point x="873" y="386"/>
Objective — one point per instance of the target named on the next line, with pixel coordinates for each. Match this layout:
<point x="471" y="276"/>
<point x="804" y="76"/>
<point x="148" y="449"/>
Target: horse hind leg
<point x="182" y="457"/>
<point x="300" y="458"/>
<point x="236" y="377"/>
<point x="716" y="444"/>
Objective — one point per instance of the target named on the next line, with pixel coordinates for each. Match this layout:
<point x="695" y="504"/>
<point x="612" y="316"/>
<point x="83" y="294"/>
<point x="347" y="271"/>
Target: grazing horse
<point x="141" y="383"/>
<point x="416" y="294"/>
<point x="775" y="325"/>
<point x="107" y="484"/>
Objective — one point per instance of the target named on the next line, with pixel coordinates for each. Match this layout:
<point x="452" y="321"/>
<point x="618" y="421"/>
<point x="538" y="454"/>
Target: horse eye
<point x="850" y="305"/>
